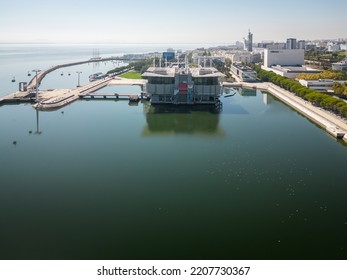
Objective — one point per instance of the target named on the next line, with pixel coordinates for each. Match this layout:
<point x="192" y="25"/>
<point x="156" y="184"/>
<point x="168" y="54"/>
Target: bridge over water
<point x="40" y="75"/>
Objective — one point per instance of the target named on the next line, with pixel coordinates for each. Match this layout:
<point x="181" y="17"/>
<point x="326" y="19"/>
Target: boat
<point x="96" y="76"/>
<point x="134" y="98"/>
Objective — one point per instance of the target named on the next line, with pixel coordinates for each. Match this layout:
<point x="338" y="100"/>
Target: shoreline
<point x="333" y="124"/>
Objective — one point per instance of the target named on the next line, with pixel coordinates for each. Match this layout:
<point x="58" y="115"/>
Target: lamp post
<point x="79" y="73"/>
<point x="37" y="85"/>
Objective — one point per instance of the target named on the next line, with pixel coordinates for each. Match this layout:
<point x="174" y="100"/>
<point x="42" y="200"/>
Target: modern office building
<point x="302" y="44"/>
<point x="249" y="42"/>
<point x="244" y="73"/>
<point x="288" y="62"/>
<point x="169" y="55"/>
<point x="291" y="43"/>
<point x="286" y="57"/>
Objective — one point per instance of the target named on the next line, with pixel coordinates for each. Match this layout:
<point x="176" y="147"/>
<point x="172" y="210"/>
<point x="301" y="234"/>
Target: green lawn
<point x="131" y="75"/>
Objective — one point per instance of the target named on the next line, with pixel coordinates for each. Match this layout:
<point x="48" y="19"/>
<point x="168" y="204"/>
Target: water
<point x="105" y="180"/>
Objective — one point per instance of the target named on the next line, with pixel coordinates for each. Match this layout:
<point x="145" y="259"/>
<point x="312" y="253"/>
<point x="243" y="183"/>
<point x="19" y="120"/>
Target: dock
<point x="130" y="97"/>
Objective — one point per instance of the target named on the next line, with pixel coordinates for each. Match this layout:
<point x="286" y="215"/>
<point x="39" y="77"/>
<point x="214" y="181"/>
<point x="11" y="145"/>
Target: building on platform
<point x="174" y="85"/>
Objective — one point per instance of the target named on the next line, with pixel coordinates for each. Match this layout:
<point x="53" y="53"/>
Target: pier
<point x="125" y="96"/>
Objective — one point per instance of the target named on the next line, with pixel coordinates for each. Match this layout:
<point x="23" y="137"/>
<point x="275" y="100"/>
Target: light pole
<point x="37" y="85"/>
<point x="79" y="73"/>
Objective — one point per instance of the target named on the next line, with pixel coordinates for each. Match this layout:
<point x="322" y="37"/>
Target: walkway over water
<point x="32" y="84"/>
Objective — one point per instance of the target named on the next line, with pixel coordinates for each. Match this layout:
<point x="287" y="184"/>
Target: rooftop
<point x="171" y="71"/>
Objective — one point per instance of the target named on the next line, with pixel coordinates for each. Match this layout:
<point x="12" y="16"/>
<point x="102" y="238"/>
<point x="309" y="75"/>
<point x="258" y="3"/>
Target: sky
<point x="175" y="21"/>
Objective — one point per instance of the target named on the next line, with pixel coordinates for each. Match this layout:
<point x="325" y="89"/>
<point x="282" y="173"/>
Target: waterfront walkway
<point x="40" y="75"/>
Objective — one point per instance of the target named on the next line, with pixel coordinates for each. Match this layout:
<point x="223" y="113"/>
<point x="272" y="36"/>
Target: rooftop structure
<point x="173" y="85"/>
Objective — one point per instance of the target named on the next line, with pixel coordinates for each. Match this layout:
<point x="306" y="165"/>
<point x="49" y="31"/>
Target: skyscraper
<point x="291" y="43"/>
<point x="249" y="42"/>
<point x="302" y="44"/>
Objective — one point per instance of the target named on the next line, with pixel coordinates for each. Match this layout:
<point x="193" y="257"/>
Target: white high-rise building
<point x="302" y="44"/>
<point x="287" y="57"/>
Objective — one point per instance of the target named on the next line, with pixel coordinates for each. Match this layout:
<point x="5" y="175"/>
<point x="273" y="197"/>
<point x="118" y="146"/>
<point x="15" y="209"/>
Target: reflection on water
<point x="106" y="180"/>
<point x="166" y="119"/>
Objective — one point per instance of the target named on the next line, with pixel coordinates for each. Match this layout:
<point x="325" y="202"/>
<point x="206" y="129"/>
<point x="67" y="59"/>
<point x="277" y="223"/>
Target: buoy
<point x="14" y="142"/>
<point x="29" y="74"/>
<point x="69" y="74"/>
<point x="30" y="132"/>
<point x="61" y="74"/>
<point x="13" y="79"/>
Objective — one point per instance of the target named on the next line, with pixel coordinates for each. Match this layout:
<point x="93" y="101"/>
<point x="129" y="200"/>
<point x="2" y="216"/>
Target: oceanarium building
<point x="174" y="85"/>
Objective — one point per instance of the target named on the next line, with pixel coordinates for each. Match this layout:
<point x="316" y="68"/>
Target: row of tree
<point x="139" y="66"/>
<point x="340" y="88"/>
<point x="328" y="74"/>
<point x="323" y="100"/>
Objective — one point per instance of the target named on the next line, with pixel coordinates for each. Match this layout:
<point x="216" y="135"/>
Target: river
<point x="109" y="180"/>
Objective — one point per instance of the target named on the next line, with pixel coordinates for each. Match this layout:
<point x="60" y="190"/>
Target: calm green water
<point x="105" y="180"/>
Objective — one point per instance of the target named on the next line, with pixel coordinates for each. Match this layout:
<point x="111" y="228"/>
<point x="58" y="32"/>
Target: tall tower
<point x="302" y="44"/>
<point x="291" y="43"/>
<point x="250" y="41"/>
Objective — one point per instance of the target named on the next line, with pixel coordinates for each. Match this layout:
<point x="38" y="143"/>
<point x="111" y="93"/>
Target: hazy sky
<point x="175" y="21"/>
